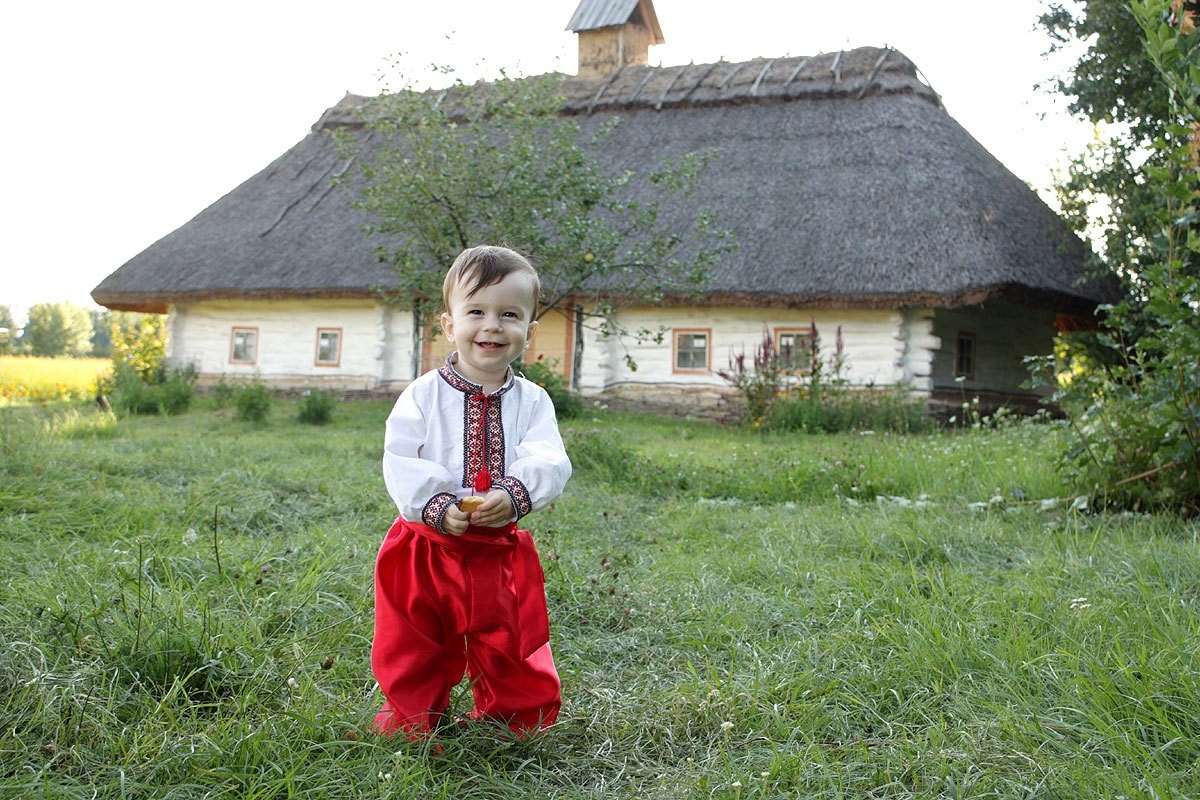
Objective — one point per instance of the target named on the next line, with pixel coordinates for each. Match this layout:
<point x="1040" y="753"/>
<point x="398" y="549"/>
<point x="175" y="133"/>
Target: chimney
<point x="614" y="33"/>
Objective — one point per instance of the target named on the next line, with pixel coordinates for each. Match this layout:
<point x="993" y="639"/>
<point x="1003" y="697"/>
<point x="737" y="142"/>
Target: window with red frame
<point x="692" y="350"/>
<point x="243" y="346"/>
<point x="329" y="347"/>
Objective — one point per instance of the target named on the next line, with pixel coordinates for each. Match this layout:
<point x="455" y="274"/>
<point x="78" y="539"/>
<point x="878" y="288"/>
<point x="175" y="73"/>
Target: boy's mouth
<point x="490" y="345"/>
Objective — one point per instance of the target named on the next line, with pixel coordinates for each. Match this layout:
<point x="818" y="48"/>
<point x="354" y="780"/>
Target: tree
<point x="496" y="163"/>
<point x="101" y="333"/>
<point x="8" y="331"/>
<point x="57" y="329"/>
<point x="1104" y="192"/>
<point x="1110" y="82"/>
<point x="139" y="342"/>
<point x="1138" y="419"/>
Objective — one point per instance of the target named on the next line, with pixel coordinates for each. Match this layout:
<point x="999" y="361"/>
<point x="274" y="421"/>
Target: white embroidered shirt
<point x="443" y="432"/>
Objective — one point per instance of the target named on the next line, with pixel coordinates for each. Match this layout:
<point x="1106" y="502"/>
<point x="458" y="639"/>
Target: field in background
<point x="30" y="379"/>
<point x="186" y="611"/>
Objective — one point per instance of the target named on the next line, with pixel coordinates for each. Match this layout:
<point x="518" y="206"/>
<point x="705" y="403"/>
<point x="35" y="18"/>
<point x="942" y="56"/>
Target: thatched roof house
<point x="857" y="201"/>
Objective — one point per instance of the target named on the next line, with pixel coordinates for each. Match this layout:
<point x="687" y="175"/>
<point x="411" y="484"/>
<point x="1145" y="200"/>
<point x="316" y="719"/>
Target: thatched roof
<point x="843" y="177"/>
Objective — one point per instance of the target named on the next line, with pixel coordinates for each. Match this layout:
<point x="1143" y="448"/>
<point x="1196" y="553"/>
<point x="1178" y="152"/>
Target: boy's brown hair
<point x="485" y="265"/>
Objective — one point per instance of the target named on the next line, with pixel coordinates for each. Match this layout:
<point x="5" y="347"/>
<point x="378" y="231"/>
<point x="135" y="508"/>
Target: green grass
<point x="185" y="611"/>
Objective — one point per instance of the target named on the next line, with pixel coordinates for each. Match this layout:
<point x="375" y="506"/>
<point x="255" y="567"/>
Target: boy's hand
<point x="455" y="521"/>
<point x="497" y="510"/>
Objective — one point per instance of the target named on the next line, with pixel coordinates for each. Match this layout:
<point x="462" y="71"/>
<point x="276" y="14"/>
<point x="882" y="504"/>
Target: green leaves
<point x="497" y="163"/>
<point x="1138" y="418"/>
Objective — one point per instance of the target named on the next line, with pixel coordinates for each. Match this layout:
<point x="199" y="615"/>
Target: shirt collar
<point x="455" y="379"/>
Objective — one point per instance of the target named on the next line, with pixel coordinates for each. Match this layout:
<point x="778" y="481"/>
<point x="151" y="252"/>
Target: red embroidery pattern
<point x="483" y="447"/>
<point x="483" y="427"/>
<point x="435" y="510"/>
<point x="519" y="494"/>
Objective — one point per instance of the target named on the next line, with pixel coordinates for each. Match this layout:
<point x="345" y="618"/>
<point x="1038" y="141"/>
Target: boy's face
<point x="491" y="328"/>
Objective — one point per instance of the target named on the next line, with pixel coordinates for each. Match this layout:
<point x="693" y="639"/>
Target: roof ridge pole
<point x="803" y="63"/>
<point x="650" y="71"/>
<point x="835" y="68"/>
<point x="320" y="124"/>
<point x="921" y="75"/>
<point x="607" y="83"/>
<point x="701" y="80"/>
<point x="758" y="80"/>
<point x="333" y="184"/>
<point x="658" y="106"/>
<point x="887" y="51"/>
<point x="730" y="76"/>
<point x="312" y="187"/>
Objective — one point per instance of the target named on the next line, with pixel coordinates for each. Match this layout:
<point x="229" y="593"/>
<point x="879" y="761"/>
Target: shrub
<point x="760" y="386"/>
<point x="567" y="403"/>
<point x="253" y="401"/>
<point x="832" y="410"/>
<point x="1136" y="420"/>
<point x="316" y="407"/>
<point x="134" y="398"/>
<point x="817" y="400"/>
<point x="1115" y="438"/>
<point x="128" y="393"/>
<point x="224" y="393"/>
<point x="175" y="394"/>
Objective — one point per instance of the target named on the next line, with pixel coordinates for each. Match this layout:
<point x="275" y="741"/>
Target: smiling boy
<point x="460" y="591"/>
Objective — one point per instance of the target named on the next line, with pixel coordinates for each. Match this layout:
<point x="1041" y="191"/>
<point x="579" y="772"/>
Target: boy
<point x="460" y="590"/>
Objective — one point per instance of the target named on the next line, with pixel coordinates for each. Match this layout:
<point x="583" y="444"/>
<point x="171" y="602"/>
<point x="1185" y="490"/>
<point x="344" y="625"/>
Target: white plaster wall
<point x="171" y="326"/>
<point x="870" y="344"/>
<point x="913" y="347"/>
<point x="394" y="347"/>
<point x="287" y="338"/>
<point x="598" y="363"/>
<point x="916" y="345"/>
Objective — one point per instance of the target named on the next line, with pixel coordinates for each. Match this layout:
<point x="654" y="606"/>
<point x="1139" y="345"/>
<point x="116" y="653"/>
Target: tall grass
<point x="185" y="611"/>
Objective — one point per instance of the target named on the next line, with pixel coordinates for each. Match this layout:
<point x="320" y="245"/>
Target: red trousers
<point x="449" y="605"/>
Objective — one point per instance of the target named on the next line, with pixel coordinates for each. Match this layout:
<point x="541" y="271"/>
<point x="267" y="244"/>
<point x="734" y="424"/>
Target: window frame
<point x="233" y="344"/>
<point x="676" y="334"/>
<point x="808" y="333"/>
<point x="966" y="371"/>
<point x="337" y="360"/>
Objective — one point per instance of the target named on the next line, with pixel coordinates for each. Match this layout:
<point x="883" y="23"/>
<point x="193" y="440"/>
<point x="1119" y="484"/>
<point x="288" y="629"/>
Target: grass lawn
<point x="185" y="611"/>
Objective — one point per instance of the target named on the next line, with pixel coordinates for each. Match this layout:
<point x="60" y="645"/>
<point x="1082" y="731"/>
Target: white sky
<point x="124" y="119"/>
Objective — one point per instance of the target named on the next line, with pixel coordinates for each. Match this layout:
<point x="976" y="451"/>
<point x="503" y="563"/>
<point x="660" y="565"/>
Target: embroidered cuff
<point x="517" y="491"/>
<point x="435" y="510"/>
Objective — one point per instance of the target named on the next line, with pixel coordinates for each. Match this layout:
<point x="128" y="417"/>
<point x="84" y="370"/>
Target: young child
<point x="463" y="591"/>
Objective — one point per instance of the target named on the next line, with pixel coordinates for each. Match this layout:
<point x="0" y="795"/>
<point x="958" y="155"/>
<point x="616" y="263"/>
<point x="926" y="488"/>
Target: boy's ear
<point x="448" y="326"/>
<point x="529" y="334"/>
